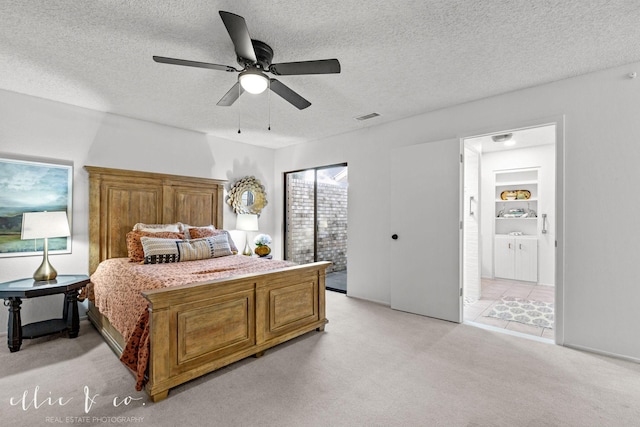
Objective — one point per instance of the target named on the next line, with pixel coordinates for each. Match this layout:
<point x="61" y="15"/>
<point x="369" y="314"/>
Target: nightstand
<point x="13" y="292"/>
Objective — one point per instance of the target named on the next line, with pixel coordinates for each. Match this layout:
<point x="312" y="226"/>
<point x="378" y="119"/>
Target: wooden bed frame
<point x="196" y="328"/>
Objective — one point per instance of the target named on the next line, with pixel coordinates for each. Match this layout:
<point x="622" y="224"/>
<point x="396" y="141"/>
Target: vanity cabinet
<point x="516" y="257"/>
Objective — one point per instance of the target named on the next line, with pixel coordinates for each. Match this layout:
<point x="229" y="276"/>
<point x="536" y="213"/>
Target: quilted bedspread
<point x="117" y="284"/>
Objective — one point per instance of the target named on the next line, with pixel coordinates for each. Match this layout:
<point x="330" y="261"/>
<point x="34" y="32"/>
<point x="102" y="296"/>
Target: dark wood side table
<point x="13" y="292"/>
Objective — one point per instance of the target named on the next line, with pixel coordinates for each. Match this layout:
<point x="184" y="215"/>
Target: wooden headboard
<point x="118" y="199"/>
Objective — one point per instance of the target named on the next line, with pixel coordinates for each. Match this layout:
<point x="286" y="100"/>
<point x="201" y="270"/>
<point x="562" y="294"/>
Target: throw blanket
<point x="116" y="288"/>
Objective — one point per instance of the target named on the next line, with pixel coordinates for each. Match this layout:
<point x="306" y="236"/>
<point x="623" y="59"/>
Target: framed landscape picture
<point x="32" y="186"/>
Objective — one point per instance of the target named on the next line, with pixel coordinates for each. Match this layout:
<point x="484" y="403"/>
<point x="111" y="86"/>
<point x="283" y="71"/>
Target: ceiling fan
<point x="255" y="58"/>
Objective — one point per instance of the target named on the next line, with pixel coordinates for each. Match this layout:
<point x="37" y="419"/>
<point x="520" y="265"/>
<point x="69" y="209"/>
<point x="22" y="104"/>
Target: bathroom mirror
<point x="247" y="196"/>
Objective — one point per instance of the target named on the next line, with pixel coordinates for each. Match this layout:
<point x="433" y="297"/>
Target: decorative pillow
<point x="156" y="228"/>
<point x="134" y="245"/>
<point x="201" y="232"/>
<point x="160" y="251"/>
<point x="210" y="247"/>
<point x="186" y="227"/>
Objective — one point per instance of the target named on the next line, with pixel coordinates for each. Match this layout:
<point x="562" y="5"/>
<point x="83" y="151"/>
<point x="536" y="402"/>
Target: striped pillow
<point x="160" y="251"/>
<point x="200" y="232"/>
<point x="209" y="247"/>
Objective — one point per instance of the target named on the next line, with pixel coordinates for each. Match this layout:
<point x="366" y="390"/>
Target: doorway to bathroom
<point x="316" y="220"/>
<point x="510" y="226"/>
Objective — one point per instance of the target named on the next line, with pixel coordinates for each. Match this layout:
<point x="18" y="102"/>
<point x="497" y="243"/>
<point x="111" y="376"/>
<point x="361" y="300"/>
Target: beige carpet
<point x="371" y="367"/>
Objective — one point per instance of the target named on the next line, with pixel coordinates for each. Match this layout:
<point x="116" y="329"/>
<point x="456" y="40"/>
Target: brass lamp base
<point x="247" y="249"/>
<point x="45" y="271"/>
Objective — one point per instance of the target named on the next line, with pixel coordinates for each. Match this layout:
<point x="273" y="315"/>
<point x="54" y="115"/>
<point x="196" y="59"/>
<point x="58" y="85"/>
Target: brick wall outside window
<point x="332" y="216"/>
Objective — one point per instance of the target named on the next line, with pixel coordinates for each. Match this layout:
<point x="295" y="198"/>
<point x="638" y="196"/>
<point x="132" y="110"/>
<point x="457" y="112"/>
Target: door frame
<point x="559" y="122"/>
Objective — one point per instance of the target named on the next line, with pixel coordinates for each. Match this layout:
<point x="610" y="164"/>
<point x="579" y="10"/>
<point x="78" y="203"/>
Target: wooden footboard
<point x="198" y="328"/>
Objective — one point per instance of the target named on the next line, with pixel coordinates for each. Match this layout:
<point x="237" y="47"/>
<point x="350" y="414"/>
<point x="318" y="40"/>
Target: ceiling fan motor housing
<point x="264" y="55"/>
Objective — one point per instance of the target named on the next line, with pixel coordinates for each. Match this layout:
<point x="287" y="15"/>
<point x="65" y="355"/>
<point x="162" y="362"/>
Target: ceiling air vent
<point x="367" y="116"/>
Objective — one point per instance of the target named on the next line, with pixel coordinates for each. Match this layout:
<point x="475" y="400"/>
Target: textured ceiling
<point x="399" y="58"/>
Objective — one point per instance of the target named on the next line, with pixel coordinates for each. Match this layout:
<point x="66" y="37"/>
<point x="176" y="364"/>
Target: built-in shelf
<point x="516" y="183"/>
<point x="533" y="199"/>
<point x="513" y="180"/>
<point x="515" y="256"/>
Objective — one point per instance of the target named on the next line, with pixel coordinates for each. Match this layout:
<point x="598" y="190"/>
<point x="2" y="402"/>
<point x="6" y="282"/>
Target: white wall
<point x="33" y="127"/>
<point x="543" y="158"/>
<point x="602" y="131"/>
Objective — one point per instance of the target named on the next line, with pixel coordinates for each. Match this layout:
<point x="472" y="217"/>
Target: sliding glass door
<point x="316" y="220"/>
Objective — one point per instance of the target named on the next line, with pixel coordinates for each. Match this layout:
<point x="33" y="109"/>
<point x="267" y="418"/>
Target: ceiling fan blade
<point x="239" y="33"/>
<point x="321" y="66"/>
<point x="231" y="96"/>
<point x="175" y="61"/>
<point x="289" y="95"/>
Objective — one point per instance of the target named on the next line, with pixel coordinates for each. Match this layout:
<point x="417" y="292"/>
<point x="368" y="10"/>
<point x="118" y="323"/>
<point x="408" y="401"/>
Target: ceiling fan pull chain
<point x="239" y="93"/>
<point x="269" y="104"/>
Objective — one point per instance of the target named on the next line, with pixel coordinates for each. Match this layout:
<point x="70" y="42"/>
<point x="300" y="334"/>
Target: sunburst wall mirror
<point x="247" y="196"/>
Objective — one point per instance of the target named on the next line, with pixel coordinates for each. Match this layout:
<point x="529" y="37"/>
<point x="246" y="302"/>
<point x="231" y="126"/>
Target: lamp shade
<point x="40" y="225"/>
<point x="247" y="222"/>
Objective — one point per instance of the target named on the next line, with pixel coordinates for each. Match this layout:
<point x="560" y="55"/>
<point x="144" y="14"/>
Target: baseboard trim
<point x="602" y="352"/>
<point x="386" y="304"/>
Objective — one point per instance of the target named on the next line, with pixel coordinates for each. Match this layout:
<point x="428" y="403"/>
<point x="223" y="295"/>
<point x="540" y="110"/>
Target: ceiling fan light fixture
<point x="502" y="138"/>
<point x="253" y="81"/>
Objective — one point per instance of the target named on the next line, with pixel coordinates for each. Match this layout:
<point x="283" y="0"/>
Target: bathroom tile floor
<point x="492" y="292"/>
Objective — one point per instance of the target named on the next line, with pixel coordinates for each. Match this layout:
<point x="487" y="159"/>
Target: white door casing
<point x="471" y="214"/>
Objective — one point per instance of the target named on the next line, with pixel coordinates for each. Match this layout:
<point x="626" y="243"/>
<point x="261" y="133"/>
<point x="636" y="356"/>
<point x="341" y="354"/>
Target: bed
<point x="195" y="328"/>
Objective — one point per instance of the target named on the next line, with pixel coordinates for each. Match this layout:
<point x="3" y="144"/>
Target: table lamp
<point x="43" y="225"/>
<point x="247" y="222"/>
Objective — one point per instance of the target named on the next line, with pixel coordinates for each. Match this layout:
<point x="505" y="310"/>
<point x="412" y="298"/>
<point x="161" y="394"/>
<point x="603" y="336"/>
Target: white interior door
<point x="425" y="219"/>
